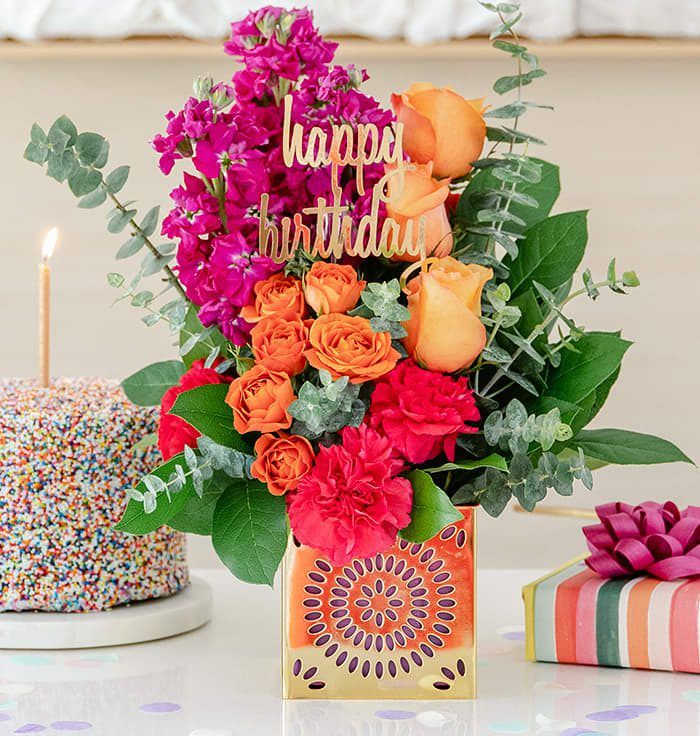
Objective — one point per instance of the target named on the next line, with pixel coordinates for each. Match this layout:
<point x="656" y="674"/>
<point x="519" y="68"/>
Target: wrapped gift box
<point x="574" y="615"/>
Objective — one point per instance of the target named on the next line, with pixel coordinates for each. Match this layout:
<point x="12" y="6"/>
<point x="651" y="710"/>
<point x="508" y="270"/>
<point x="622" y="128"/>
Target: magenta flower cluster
<point x="232" y="134"/>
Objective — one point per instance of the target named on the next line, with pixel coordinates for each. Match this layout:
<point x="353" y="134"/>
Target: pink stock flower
<point x="649" y="538"/>
<point x="352" y="503"/>
<point x="422" y="412"/>
<point x="235" y="146"/>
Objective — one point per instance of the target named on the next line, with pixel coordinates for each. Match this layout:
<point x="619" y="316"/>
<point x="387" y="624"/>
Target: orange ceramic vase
<point x="396" y="625"/>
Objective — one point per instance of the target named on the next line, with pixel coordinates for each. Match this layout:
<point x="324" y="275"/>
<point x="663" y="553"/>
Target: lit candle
<point x="44" y="305"/>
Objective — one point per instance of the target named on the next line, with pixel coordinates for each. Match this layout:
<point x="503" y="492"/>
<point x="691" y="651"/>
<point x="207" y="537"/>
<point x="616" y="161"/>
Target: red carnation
<point x="175" y="433"/>
<point x="422" y="412"/>
<point x="351" y="504"/>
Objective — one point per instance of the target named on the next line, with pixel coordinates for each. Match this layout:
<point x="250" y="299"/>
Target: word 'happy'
<point x="359" y="147"/>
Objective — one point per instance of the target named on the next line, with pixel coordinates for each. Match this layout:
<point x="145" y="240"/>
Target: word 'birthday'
<point x="335" y="231"/>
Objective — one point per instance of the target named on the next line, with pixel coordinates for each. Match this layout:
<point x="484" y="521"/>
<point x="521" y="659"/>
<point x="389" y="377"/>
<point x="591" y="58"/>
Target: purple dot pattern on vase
<point x="160" y="707"/>
<point x="375" y="618"/>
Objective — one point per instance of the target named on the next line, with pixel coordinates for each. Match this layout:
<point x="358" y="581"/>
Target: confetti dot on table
<point x="514" y="635"/>
<point x="622" y="713"/>
<point x="692" y="696"/>
<point x="433" y="718"/>
<point x="30" y="728"/>
<point x="15" y="688"/>
<point x="638" y="710"/>
<point x="160" y="707"/>
<point x="581" y="732"/>
<point x="7" y="704"/>
<point x="71" y="725"/>
<point x="509" y="727"/>
<point x="5" y="717"/>
<point x="395" y="715"/>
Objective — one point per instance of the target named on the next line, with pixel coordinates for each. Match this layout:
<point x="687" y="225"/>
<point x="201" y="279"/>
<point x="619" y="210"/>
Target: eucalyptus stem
<point x="172" y="278"/>
<point x="553" y="315"/>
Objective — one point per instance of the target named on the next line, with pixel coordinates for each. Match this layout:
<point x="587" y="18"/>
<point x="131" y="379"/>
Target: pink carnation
<point x="422" y="412"/>
<point x="352" y="504"/>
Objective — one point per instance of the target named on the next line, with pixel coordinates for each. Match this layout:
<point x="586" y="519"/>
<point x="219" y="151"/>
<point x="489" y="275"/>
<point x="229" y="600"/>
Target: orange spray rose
<point x="441" y="126"/>
<point x="444" y="331"/>
<point x="421" y="196"/>
<point x="347" y="346"/>
<point x="274" y="295"/>
<point x="282" y="461"/>
<point x="331" y="287"/>
<point x="260" y="400"/>
<point x="279" y="341"/>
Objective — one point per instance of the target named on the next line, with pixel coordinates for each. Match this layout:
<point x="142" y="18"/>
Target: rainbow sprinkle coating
<point x="66" y="460"/>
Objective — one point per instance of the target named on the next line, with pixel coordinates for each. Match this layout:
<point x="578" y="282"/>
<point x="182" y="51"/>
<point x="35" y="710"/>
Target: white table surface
<point x="224" y="680"/>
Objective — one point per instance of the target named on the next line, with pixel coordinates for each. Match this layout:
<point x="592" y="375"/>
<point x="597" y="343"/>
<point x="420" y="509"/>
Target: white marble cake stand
<point x="128" y="624"/>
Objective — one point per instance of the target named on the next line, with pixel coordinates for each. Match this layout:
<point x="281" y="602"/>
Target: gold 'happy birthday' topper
<point x="358" y="147"/>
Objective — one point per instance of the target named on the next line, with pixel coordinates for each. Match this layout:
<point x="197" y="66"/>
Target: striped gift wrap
<point x="573" y="615"/>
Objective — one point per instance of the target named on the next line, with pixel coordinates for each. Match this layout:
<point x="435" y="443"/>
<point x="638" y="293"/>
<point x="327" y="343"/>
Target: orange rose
<point x="260" y="399"/>
<point x="444" y="331"/>
<point x="330" y="287"/>
<point x="421" y="196"/>
<point x="275" y="295"/>
<point x="347" y="346"/>
<point x="281" y="462"/>
<point x="442" y="127"/>
<point x="279" y="341"/>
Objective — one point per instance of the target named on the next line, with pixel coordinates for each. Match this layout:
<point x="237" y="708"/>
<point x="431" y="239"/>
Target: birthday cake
<point x="67" y="457"/>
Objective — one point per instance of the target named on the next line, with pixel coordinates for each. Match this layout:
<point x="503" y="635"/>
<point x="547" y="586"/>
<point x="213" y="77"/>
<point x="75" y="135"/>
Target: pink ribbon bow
<point x="650" y="538"/>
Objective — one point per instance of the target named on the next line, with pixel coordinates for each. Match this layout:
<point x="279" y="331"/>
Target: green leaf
<point x="147" y="386"/>
<point x="120" y="220"/>
<point x="506" y="84"/>
<point x="622" y="447"/>
<point x="36" y="153"/>
<point x="90" y="147"/>
<point x="203" y="347"/>
<point x="84" y="181"/>
<point x="94" y="199"/>
<point x="37" y="134"/>
<point x="545" y="192"/>
<point x="135" y="520"/>
<point x="579" y="374"/>
<point x="491" y="461"/>
<point x="197" y="514"/>
<point x="432" y="509"/>
<point x="130" y="247"/>
<point x="205" y="408"/>
<point x="249" y="531"/>
<point x="148" y="225"/>
<point x="117" y="178"/>
<point x="61" y="165"/>
<point x="66" y="126"/>
<point x="550" y="252"/>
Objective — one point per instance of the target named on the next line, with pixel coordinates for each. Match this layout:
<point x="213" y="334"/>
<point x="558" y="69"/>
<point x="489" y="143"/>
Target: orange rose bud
<point x="444" y="331"/>
<point x="420" y="196"/>
<point x="347" y="346"/>
<point x="260" y="400"/>
<point x="281" y="462"/>
<point x="442" y="127"/>
<point x="277" y="294"/>
<point x="330" y="287"/>
<point x="279" y="342"/>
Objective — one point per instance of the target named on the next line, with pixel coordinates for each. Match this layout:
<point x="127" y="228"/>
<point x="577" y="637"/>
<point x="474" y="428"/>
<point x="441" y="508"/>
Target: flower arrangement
<point x="355" y="399"/>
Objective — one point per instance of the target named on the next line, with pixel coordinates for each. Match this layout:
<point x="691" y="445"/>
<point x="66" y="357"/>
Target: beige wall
<point x="624" y="132"/>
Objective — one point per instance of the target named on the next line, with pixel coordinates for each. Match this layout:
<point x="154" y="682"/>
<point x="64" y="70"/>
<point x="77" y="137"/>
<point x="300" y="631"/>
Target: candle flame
<point x="49" y="244"/>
